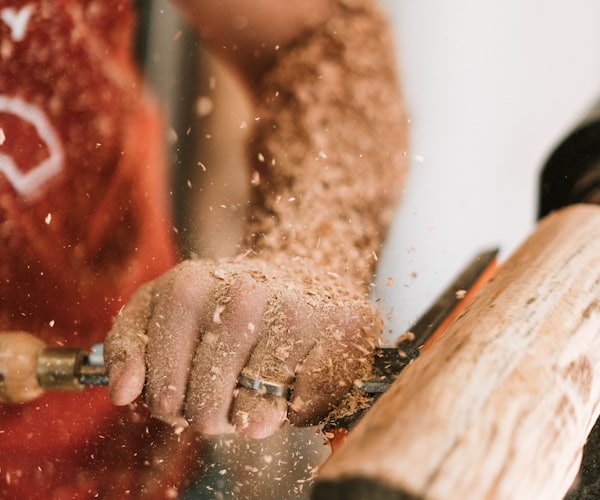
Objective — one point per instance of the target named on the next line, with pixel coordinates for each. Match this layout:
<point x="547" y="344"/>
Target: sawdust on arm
<point x="328" y="154"/>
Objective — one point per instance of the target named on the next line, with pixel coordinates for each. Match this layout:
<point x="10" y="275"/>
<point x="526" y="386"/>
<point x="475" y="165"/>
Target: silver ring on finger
<point x="264" y="386"/>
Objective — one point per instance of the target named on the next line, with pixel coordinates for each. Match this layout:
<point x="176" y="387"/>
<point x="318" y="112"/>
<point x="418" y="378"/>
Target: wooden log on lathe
<point x="500" y="407"/>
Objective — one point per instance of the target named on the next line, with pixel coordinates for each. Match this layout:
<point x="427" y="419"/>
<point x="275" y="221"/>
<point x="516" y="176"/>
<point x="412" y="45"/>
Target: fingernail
<point x="121" y="384"/>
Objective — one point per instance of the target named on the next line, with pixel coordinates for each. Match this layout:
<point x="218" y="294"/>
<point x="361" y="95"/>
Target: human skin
<point x="247" y="35"/>
<point x="328" y="160"/>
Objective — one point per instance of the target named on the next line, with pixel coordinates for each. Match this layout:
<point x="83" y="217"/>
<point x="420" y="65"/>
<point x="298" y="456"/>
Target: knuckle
<point x="245" y="298"/>
<point x="185" y="284"/>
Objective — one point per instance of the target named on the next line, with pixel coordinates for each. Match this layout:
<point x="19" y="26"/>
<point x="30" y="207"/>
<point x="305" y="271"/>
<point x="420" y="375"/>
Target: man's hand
<point x="184" y="339"/>
<point x="327" y="161"/>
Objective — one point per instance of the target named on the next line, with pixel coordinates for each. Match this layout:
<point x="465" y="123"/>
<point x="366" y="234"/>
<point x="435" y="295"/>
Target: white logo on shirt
<point x="17" y="20"/>
<point x="29" y="183"/>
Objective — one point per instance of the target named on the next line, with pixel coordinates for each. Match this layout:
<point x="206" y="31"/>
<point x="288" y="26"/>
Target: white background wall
<point x="490" y="88"/>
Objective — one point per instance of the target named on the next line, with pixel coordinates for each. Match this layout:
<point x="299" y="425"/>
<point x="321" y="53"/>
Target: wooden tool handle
<point x="28" y="367"/>
<point x="19" y="353"/>
<point x="500" y="407"/>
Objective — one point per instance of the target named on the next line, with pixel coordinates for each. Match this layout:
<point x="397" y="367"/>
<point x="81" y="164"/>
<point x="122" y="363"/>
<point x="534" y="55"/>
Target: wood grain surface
<point x="501" y="406"/>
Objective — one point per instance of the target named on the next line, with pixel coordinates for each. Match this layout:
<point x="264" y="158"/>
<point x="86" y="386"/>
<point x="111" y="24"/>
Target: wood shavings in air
<point x="204" y="106"/>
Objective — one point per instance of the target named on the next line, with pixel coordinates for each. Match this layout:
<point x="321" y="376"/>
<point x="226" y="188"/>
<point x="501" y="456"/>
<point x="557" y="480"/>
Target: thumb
<point x="125" y="348"/>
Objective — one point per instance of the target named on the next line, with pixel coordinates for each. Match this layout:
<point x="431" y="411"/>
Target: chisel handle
<point x="28" y="367"/>
<point x="19" y="353"/>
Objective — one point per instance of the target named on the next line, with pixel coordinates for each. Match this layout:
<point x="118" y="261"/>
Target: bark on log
<point x="500" y="407"/>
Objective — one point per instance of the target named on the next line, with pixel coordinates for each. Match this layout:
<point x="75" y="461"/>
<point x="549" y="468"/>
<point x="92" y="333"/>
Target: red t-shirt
<point x="84" y="220"/>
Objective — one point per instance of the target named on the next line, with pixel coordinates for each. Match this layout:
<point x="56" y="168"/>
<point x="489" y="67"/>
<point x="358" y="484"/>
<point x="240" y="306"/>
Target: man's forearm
<point x="328" y="155"/>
